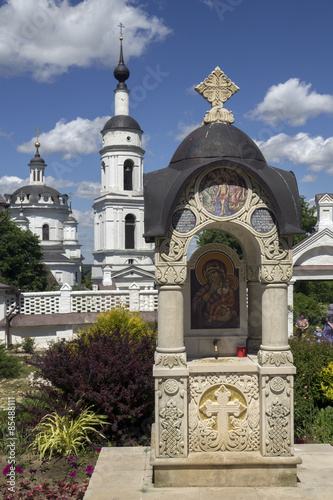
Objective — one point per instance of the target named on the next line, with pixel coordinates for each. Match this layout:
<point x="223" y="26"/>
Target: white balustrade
<point x="83" y="301"/>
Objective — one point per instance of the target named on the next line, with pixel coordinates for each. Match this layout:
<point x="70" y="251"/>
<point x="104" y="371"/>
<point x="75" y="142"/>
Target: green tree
<point x="21" y="258"/>
<point x="215" y="236"/>
<point x="308" y="220"/>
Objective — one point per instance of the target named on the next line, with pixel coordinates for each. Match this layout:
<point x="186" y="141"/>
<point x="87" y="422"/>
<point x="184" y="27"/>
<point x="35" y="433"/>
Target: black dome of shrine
<point x="216" y="140"/>
<point x="217" y="144"/>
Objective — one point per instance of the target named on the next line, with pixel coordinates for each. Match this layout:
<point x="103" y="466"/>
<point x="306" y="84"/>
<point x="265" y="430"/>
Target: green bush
<point x="28" y="345"/>
<point x="9" y="365"/>
<point x="310" y="357"/>
<point x="326" y="382"/>
<point x="323" y="426"/>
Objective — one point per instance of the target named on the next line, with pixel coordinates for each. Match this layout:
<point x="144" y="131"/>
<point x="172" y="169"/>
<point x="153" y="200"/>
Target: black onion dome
<point x="217" y="140"/>
<point x="121" y="73"/>
<point x="121" y="122"/>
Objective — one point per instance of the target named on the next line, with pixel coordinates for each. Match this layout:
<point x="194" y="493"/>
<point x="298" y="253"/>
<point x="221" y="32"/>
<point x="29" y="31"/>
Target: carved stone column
<point x="170" y="319"/>
<point x="254" y="340"/>
<point x="171" y="376"/>
<point x="276" y="372"/>
<point x="274" y="316"/>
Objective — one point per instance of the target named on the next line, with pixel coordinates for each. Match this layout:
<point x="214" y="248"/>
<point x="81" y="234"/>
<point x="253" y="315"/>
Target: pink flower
<point x="73" y="473"/>
<point x="306" y="387"/>
<point x="89" y="470"/>
<point x="18" y="469"/>
<point x="6" y="470"/>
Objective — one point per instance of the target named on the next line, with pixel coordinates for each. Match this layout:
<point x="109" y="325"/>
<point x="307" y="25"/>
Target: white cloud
<point x="309" y="178"/>
<point x="9" y="183"/>
<point x="47" y="39"/>
<point x="58" y="183"/>
<point x="88" y="190"/>
<point x="185" y="130"/>
<point x="291" y="102"/>
<point x="300" y="149"/>
<point x="72" y="139"/>
<point x="85" y="219"/>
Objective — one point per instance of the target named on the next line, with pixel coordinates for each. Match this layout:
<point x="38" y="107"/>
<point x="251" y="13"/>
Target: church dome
<point x="38" y="194"/>
<point x="121" y="122"/>
<point x="216" y="140"/>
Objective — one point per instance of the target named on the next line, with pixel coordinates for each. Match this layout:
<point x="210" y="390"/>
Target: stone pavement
<point x="125" y="474"/>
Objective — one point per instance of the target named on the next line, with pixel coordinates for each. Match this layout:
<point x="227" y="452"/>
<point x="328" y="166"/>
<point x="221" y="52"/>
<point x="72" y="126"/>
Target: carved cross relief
<point x="222" y="408"/>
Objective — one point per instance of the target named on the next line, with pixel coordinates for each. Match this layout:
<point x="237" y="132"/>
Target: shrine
<point x="223" y="368"/>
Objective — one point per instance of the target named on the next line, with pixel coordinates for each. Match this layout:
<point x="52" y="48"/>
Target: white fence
<point x="68" y="301"/>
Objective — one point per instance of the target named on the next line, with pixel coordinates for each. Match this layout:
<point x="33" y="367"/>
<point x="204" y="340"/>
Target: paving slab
<point x="125" y="474"/>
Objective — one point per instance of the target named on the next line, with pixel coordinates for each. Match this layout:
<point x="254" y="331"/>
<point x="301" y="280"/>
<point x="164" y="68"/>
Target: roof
<point x="217" y="144"/>
<point x="35" y="192"/>
<point x="124" y="122"/>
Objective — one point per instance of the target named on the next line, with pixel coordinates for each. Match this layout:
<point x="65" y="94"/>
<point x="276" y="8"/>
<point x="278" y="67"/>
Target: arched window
<point x="128" y="175"/>
<point x="129" y="231"/>
<point x="46" y="232"/>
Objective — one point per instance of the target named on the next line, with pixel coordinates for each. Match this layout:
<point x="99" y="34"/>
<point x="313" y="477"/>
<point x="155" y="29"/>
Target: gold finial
<point x="121" y="26"/>
<point x="217" y="88"/>
<point x="37" y="145"/>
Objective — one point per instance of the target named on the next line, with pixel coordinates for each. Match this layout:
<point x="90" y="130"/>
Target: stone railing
<point x="68" y="301"/>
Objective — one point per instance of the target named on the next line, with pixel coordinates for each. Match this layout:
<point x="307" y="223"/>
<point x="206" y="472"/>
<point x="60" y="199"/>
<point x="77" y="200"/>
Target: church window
<point x="34" y="175"/>
<point x="46" y="232"/>
<point x="128" y="175"/>
<point x="38" y="175"/>
<point x="129" y="231"/>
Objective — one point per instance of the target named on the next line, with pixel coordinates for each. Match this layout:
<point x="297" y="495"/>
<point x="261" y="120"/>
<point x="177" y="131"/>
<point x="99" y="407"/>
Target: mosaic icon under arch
<point x="223" y="192"/>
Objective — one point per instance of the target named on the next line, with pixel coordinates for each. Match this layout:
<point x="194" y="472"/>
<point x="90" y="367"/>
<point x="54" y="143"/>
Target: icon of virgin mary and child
<point x="215" y="303"/>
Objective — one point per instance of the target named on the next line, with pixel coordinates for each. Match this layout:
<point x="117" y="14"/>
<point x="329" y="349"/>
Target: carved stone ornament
<point x="275" y="249"/>
<point x="171" y="443"/>
<point x="170" y="275"/>
<point x="253" y="273"/>
<point x="278" y="441"/>
<point x="170" y="360"/>
<point x="275" y="358"/>
<point x="224" y="413"/>
<point x="217" y="88"/>
<point x="276" y="273"/>
<point x="172" y="249"/>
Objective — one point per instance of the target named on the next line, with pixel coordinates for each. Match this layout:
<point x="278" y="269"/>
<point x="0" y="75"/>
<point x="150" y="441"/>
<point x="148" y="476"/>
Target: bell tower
<point x="119" y="210"/>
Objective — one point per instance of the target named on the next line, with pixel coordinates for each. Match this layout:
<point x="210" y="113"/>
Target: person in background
<point x="302" y="325"/>
<point x="327" y="333"/>
<point x="317" y="333"/>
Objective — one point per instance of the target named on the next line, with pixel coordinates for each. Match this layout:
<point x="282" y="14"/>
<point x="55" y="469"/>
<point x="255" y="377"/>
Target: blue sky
<point x="56" y="71"/>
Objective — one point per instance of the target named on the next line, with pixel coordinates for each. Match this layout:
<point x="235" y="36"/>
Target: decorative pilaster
<point x="277" y="428"/>
<point x="171" y="375"/>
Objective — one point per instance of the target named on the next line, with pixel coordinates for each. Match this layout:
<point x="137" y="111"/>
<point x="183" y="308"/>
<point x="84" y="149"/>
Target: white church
<point x="47" y="214"/>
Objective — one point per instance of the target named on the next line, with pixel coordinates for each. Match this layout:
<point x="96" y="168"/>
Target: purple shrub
<point x="112" y="372"/>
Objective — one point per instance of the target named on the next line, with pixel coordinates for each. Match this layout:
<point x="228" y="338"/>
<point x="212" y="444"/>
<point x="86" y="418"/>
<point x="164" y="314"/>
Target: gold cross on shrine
<point x="217" y="88"/>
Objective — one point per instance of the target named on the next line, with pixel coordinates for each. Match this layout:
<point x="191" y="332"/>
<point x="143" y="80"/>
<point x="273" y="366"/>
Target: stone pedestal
<point x="223" y="422"/>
